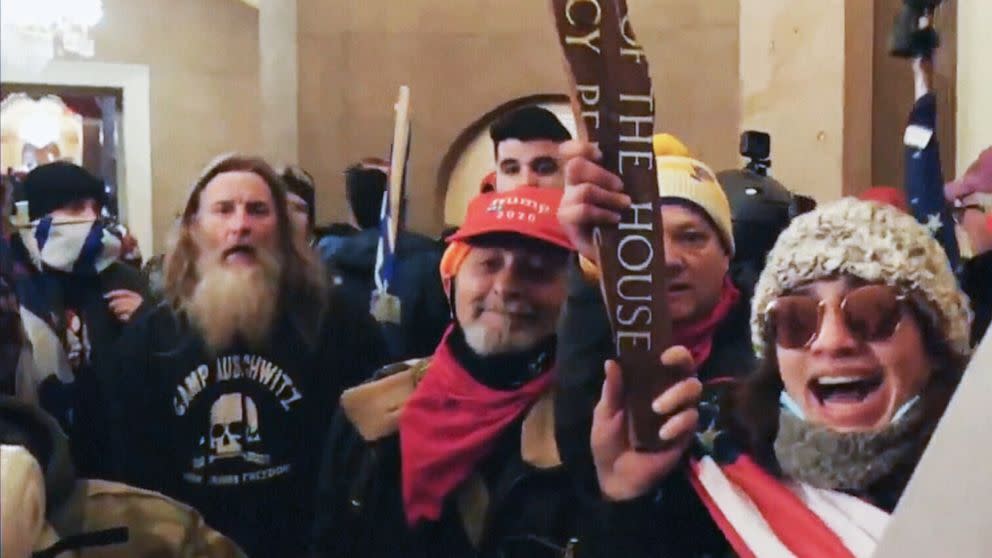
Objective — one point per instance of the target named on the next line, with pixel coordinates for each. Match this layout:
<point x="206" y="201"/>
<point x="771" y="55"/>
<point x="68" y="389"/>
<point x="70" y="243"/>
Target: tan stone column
<point x="806" y="78"/>
<point x="974" y="75"/>
<point x="278" y="53"/>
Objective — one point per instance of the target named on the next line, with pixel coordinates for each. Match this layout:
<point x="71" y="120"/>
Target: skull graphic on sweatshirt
<point x="234" y="429"/>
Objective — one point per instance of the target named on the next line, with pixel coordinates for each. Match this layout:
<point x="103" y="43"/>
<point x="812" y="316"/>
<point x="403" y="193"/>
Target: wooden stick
<point x="397" y="163"/>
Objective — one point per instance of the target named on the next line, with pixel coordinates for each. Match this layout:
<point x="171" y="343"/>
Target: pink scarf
<point x="698" y="337"/>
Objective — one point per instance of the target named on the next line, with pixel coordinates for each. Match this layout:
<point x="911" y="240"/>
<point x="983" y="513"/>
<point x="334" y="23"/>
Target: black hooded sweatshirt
<point x="237" y="435"/>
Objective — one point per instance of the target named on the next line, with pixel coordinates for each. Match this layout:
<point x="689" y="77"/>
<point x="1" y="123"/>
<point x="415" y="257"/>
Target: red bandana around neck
<point x="448" y="425"/>
<point x="698" y="337"/>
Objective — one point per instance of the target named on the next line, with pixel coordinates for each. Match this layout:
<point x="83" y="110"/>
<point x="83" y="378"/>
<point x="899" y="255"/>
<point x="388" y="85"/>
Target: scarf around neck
<point x="79" y="247"/>
<point x="449" y="425"/>
<point x="698" y="337"/>
<point x="848" y="461"/>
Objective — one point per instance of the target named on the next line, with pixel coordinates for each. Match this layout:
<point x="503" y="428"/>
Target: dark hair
<point x="301" y="183"/>
<point x="528" y="124"/>
<point x="751" y="410"/>
<point x="364" y="187"/>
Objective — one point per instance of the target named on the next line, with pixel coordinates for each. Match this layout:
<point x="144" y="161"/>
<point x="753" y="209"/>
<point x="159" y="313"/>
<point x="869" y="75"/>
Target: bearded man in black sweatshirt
<point x="225" y="390"/>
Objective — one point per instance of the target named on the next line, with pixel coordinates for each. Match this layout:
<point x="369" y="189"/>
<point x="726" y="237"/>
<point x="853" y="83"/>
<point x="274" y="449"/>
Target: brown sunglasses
<point x="871" y="313"/>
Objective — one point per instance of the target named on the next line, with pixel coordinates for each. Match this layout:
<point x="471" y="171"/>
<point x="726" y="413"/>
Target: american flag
<point x="924" y="179"/>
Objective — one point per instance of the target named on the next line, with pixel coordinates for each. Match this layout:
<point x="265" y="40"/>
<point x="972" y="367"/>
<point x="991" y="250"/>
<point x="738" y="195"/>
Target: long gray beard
<point x="235" y="303"/>
<point x="850" y="461"/>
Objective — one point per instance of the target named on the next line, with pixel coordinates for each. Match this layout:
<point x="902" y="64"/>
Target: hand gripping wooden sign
<point x="613" y="104"/>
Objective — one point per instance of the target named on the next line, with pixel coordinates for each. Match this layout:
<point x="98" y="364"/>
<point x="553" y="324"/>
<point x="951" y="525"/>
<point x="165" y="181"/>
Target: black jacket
<point x="584" y="345"/>
<point x="238" y="435"/>
<point x="514" y="507"/>
<point x="74" y="310"/>
<point x="424" y="307"/>
<point x="634" y="528"/>
<point x="976" y="282"/>
<point x="671" y="519"/>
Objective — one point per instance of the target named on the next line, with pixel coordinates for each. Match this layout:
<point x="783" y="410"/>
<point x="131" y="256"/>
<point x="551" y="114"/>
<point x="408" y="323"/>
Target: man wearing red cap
<point x="454" y="455"/>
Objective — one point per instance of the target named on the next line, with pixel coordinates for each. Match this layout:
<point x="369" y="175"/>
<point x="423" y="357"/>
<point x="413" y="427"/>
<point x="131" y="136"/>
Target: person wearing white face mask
<point x="75" y="297"/>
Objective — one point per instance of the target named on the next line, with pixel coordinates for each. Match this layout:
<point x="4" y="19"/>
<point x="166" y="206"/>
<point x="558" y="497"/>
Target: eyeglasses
<point x="871" y="313"/>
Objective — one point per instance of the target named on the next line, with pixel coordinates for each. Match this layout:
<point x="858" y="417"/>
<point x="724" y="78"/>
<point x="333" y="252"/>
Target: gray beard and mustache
<point x="521" y="329"/>
<point x="233" y="303"/>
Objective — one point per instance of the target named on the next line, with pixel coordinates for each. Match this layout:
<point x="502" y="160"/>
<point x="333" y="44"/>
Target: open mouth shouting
<point x="239" y="254"/>
<point x="849" y="400"/>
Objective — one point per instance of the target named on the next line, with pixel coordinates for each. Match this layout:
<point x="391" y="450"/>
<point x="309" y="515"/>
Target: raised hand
<point x="123" y="303"/>
<point x="593" y="196"/>
<point x="623" y="472"/>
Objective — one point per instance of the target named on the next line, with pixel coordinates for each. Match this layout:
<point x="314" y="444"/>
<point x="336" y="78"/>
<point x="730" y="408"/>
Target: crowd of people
<point x="240" y="396"/>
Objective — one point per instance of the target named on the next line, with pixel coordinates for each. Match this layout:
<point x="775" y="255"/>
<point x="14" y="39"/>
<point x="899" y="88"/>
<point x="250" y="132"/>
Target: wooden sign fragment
<point x="613" y="102"/>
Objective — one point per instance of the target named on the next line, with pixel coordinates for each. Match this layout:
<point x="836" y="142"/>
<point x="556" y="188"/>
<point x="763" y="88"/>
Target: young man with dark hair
<point x="365" y="184"/>
<point x="525" y="143"/>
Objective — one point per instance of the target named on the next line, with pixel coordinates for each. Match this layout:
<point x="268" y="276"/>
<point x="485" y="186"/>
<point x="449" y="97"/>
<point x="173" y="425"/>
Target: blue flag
<point x="385" y="261"/>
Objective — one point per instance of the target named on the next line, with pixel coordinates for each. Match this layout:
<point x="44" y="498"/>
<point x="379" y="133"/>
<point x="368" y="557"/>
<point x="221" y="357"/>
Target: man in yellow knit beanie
<point x="698" y="233"/>
<point x="709" y="314"/>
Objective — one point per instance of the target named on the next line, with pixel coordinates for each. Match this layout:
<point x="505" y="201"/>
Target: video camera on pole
<point x="913" y="35"/>
<point x="761" y="207"/>
<point x="757" y="147"/>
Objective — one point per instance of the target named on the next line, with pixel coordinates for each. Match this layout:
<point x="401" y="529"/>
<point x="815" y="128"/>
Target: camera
<point x="908" y="39"/>
<point x="757" y="147"/>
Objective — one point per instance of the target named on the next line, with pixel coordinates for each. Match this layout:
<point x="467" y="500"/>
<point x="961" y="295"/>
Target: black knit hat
<point x="54" y="185"/>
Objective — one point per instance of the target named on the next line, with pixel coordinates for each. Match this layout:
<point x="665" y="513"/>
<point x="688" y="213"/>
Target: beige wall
<point x="893" y="94"/>
<point x="462" y="59"/>
<point x="974" y="81"/>
<point x="204" y="66"/>
<point x="806" y="79"/>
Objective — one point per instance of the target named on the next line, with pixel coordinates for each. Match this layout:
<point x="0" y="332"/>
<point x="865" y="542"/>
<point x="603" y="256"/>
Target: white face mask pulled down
<point x="71" y="246"/>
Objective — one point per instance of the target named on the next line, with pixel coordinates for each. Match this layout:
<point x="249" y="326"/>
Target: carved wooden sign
<point x="613" y="104"/>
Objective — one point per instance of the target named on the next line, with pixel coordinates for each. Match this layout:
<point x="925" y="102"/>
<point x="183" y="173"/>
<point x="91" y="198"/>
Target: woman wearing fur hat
<point x="864" y="337"/>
